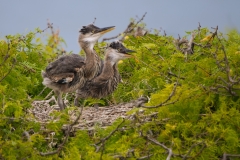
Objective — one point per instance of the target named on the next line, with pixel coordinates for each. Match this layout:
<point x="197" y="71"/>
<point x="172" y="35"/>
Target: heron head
<point x="118" y="52"/>
<point x="91" y="33"/>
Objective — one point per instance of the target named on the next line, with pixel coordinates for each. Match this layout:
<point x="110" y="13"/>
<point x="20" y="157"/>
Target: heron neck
<point x="108" y="69"/>
<point x="92" y="61"/>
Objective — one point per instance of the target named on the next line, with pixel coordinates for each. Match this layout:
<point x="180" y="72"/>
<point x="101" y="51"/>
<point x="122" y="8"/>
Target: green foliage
<point x="194" y="101"/>
<point x="21" y="60"/>
<point x="206" y="99"/>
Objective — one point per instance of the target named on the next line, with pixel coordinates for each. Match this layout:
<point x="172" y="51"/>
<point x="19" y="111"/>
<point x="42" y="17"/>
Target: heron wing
<point x="64" y="68"/>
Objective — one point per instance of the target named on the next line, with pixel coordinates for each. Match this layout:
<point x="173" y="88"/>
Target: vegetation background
<point x="192" y="85"/>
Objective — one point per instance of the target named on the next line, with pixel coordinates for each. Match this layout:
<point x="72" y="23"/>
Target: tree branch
<point x="188" y="46"/>
<point x="166" y="101"/>
<point x="169" y="150"/>
<point x="225" y="155"/>
<point x="190" y="150"/>
<point x="102" y="141"/>
<point x="129" y="29"/>
<point x="199" y="29"/>
<point x="145" y="157"/>
<point x="65" y="138"/>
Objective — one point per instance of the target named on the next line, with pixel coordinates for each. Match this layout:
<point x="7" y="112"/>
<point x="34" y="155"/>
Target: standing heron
<point x="70" y="72"/>
<point x="107" y="81"/>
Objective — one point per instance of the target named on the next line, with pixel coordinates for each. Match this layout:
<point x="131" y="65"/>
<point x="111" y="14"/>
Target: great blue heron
<point x="107" y="81"/>
<point x="70" y="72"/>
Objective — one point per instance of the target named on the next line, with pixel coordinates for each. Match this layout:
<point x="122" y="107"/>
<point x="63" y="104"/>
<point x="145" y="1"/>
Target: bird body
<point x="70" y="72"/>
<point x="65" y="74"/>
<point x="107" y="81"/>
<point x="102" y="85"/>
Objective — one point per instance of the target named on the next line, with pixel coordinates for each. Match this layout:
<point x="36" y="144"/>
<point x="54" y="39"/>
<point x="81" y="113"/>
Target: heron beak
<point x="105" y="30"/>
<point x="127" y="51"/>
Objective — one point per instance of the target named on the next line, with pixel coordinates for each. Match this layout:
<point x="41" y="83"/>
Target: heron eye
<point x="119" y="50"/>
<point x="92" y="31"/>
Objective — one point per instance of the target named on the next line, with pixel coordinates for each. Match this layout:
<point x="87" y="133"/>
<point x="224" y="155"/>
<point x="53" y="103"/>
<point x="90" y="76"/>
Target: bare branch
<point x="49" y="94"/>
<point x="203" y="70"/>
<point x="129" y="29"/>
<point x="107" y="39"/>
<point x="173" y="74"/>
<point x="169" y="150"/>
<point x="126" y="31"/>
<point x="229" y="155"/>
<point x="188" y="46"/>
<point x="199" y="29"/>
<point x="94" y="20"/>
<point x="229" y="83"/>
<point x="164" y="33"/>
<point x="140" y="32"/>
<point x="145" y="157"/>
<point x="178" y="42"/>
<point x="42" y="91"/>
<point x="132" y="28"/>
<point x="191" y="44"/>
<point x="190" y="150"/>
<point x="102" y="141"/>
<point x="227" y="66"/>
<point x="203" y="146"/>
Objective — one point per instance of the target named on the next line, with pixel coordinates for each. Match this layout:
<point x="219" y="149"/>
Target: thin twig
<point x="49" y="94"/>
<point x="168" y="99"/>
<point x="199" y="29"/>
<point x="102" y="141"/>
<point x="145" y="157"/>
<point x="129" y="28"/>
<point x="42" y="91"/>
<point x="94" y="20"/>
<point x="190" y="150"/>
<point x="225" y="155"/>
<point x="169" y="150"/>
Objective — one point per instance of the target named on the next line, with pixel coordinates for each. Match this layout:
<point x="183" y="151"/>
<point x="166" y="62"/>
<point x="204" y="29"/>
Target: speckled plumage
<point x="107" y="81"/>
<point x="102" y="85"/>
<point x="70" y="72"/>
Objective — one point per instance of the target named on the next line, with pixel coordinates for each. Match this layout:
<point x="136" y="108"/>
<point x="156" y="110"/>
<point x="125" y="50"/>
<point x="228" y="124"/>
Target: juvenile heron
<point x="70" y="72"/>
<point x="107" y="81"/>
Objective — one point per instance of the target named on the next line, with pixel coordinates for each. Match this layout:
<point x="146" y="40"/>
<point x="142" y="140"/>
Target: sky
<point x="173" y="16"/>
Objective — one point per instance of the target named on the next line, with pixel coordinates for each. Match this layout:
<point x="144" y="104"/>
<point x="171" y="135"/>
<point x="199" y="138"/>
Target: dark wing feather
<point x="63" y="69"/>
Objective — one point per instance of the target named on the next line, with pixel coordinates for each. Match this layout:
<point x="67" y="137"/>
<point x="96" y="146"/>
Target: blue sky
<point x="174" y="16"/>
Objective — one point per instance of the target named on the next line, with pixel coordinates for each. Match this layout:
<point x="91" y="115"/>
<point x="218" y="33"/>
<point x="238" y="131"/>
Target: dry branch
<point x="185" y="46"/>
<point x="191" y="148"/>
<point x="131" y="26"/>
<point x="145" y="157"/>
<point x="199" y="29"/>
<point x="226" y="84"/>
<point x="169" y="150"/>
<point x="166" y="102"/>
<point x="225" y="156"/>
<point x="101" y="143"/>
